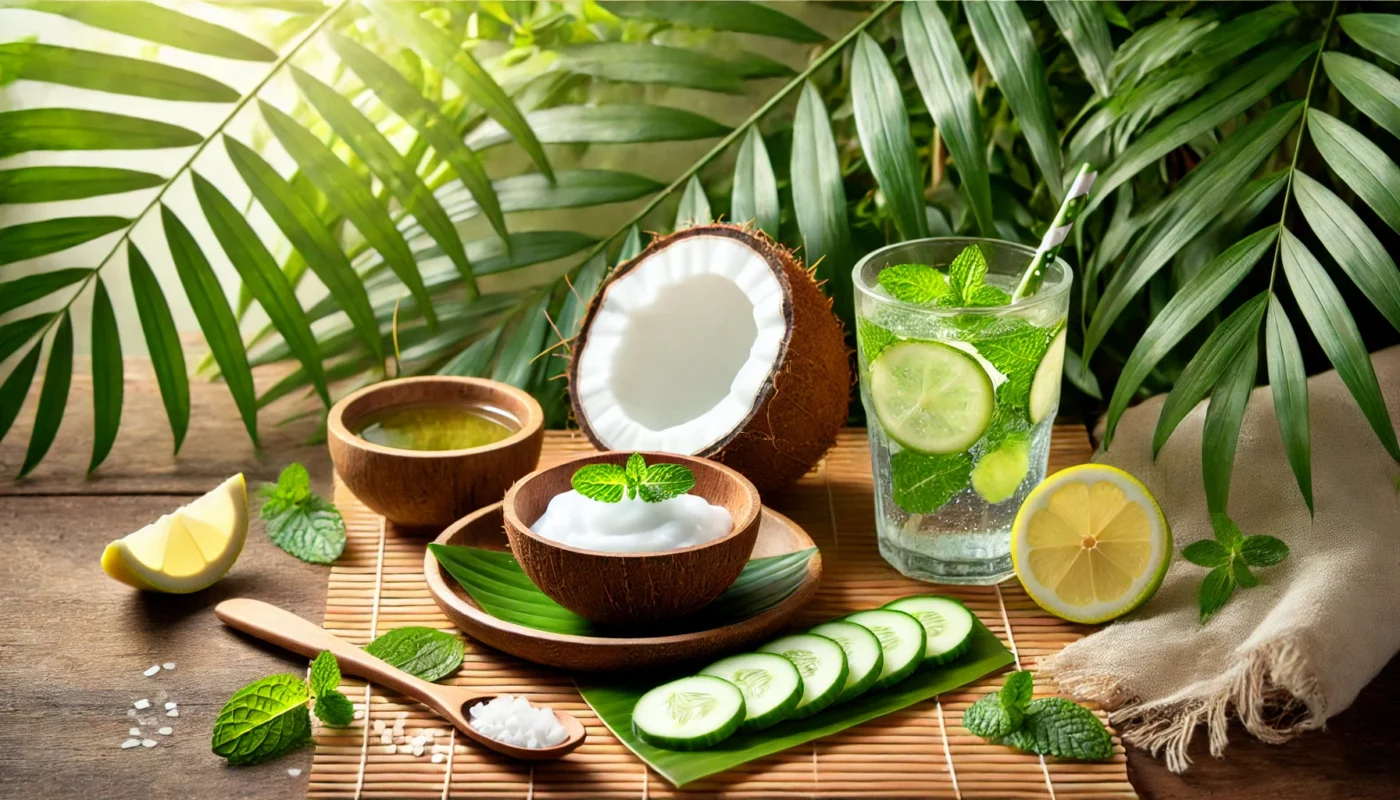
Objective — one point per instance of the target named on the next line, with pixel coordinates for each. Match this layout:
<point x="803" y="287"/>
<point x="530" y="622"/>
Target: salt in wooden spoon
<point x="285" y="629"/>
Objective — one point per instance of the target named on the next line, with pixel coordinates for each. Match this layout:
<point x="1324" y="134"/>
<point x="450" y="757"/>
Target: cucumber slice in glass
<point x="689" y="714"/>
<point x="1045" y="386"/>
<point x="822" y="664"/>
<point x="772" y="686"/>
<point x="901" y="642"/>
<point x="930" y="397"/>
<point x="864" y="660"/>
<point x="947" y="623"/>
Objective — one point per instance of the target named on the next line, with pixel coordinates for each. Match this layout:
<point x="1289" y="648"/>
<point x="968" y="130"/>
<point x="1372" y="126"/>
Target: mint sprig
<point x="964" y="285"/>
<point x="1230" y="555"/>
<point x="427" y="653"/>
<point x="1050" y="726"/>
<point x="609" y="483"/>
<point x="300" y="521"/>
<point x="269" y="717"/>
<point x="914" y="283"/>
<point x="332" y="707"/>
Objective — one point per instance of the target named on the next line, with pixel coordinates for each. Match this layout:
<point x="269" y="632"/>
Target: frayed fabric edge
<point x="1272" y="690"/>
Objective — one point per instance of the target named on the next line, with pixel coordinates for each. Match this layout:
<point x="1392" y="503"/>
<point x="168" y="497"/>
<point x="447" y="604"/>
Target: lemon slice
<point x="1090" y="543"/>
<point x="188" y="549"/>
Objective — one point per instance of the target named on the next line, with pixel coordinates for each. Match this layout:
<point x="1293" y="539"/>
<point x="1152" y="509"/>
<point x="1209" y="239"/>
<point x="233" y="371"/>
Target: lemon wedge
<point x="188" y="549"/>
<point x="1090" y="543"/>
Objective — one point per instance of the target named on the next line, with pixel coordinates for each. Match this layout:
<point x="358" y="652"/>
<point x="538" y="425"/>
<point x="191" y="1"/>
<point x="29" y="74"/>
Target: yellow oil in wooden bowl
<point x="437" y="426"/>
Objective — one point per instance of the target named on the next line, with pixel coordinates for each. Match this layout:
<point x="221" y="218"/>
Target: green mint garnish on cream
<point x="609" y="483"/>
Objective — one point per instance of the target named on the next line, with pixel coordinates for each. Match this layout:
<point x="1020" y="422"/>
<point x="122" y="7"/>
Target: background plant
<point x="1229" y="137"/>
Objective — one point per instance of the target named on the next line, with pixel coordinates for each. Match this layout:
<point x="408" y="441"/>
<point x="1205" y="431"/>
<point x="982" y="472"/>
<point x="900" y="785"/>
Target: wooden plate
<point x="485" y="529"/>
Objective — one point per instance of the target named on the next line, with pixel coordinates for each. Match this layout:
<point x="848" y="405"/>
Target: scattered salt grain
<point x="386" y="738"/>
<point x="134" y="732"/>
<point x="514" y="721"/>
<point x="379" y="726"/>
<point x="438" y="757"/>
<point x="165" y="731"/>
<point x="154" y="668"/>
<point x="142" y="704"/>
<point x="130" y="743"/>
<point x="148" y="743"/>
<point x="294" y="772"/>
<point x="359" y="715"/>
<point x="169" y="665"/>
<point x="173" y="713"/>
<point x="169" y="706"/>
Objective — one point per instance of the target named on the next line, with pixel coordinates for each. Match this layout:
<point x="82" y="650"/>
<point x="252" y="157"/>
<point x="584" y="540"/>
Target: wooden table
<point x="73" y="644"/>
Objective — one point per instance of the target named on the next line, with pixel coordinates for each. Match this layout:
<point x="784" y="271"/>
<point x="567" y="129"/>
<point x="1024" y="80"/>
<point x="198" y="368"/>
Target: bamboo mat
<point x="921" y="752"/>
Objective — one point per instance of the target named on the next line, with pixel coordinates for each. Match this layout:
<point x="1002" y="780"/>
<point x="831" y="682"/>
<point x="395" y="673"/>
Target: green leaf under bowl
<point x="613" y="702"/>
<point x="495" y="581"/>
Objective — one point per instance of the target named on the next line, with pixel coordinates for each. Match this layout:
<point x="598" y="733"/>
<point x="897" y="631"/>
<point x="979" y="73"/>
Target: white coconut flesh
<point x="682" y="347"/>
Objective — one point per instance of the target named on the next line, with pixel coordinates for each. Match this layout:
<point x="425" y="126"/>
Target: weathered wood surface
<point x="73" y="644"/>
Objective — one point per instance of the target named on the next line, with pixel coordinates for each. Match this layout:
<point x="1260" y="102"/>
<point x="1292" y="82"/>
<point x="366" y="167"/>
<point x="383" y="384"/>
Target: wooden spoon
<point x="283" y="628"/>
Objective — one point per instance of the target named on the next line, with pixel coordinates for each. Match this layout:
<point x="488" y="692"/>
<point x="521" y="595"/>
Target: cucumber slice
<point x="998" y="474"/>
<point x="772" y="686"/>
<point x="1045" y="386"/>
<point x="947" y="622"/>
<point x="689" y="714"/>
<point x="822" y="664"/>
<point x="901" y="642"/>
<point x="930" y="397"/>
<point x="864" y="660"/>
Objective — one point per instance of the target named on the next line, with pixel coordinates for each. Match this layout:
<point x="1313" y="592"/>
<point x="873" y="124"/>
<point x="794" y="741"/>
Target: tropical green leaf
<point x="517" y="364"/>
<point x="1371" y="89"/>
<point x="883" y="124"/>
<point x="643" y="62"/>
<point x="14" y="334"/>
<point x="1243" y="208"/>
<point x="1085" y="28"/>
<point x="572" y="188"/>
<point x="1238" y="331"/>
<point x="58" y="375"/>
<point x="215" y="317"/>
<point x="16" y="388"/>
<point x="404" y="23"/>
<point x="107" y="370"/>
<point x="163" y="343"/>
<point x="389" y="85"/>
<point x="819" y="199"/>
<point x="1333" y="327"/>
<point x="34" y="239"/>
<point x="612" y="123"/>
<point x="475" y="359"/>
<point x="1288" y="383"/>
<point x="941" y="74"/>
<point x="1008" y="48"/>
<point x="1188" y="210"/>
<point x="632" y="246"/>
<point x="49" y="184"/>
<point x="1228" y="98"/>
<point x="343" y="187"/>
<point x="1362" y="166"/>
<point x="755" y="195"/>
<point x="1379" y="33"/>
<point x="1191" y="304"/>
<point x="1357" y="251"/>
<point x="1221" y="431"/>
<point x="21" y="291"/>
<point x="1154" y="45"/>
<point x="753" y="65"/>
<point x="154" y="23"/>
<point x="110" y="73"/>
<point x="30" y="129"/>
<point x="694" y="207"/>
<point x="720" y="16"/>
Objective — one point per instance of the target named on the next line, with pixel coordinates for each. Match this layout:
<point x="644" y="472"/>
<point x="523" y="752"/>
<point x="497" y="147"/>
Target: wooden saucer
<point x="485" y="529"/>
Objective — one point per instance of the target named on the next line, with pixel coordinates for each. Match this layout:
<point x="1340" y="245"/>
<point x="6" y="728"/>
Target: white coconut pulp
<point x="682" y="347"/>
<point x="632" y="525"/>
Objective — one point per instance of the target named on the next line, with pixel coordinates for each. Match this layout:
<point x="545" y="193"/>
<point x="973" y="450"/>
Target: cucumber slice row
<point x="689" y="714"/>
<point x="822" y="664"/>
<point x="902" y="641"/>
<point x="864" y="660"/>
<point x="771" y="685"/>
<point x="946" y="622"/>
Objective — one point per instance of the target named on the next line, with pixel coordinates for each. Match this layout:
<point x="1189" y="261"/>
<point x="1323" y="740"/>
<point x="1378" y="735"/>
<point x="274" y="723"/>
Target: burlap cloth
<point x="1284" y="656"/>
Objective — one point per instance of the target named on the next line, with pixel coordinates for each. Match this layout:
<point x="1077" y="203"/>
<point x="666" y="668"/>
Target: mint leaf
<point x="1226" y="531"/>
<point x="873" y="339"/>
<point x="1215" y="592"/>
<point x="967" y="272"/>
<point x="1054" y="726"/>
<point x="1016" y="354"/>
<point x="263" y="720"/>
<point x="427" y="653"/>
<point x="293" y="486"/>
<point x="1206" y="553"/>
<point x="922" y="484"/>
<point x="636" y="470"/>
<point x="985" y="296"/>
<point x="992" y="717"/>
<point x="310" y="528"/>
<point x="1009" y="421"/>
<point x="1240" y="572"/>
<point x="1263" y="551"/>
<point x="914" y="283"/>
<point x="325" y="674"/>
<point x="334" y="709"/>
<point x="606" y="483"/>
<point x="1017" y="690"/>
<point x="664" y="481"/>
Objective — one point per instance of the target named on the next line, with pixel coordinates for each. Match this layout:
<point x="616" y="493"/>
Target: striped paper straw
<point x="1075" y="200"/>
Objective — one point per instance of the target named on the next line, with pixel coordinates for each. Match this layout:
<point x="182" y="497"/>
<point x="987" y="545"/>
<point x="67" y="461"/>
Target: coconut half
<point x="714" y="342"/>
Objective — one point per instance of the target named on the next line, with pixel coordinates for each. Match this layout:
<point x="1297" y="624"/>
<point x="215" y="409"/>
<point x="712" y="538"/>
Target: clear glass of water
<point x="959" y="402"/>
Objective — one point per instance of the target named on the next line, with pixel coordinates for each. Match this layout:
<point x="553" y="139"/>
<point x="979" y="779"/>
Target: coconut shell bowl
<point x="633" y="589"/>
<point x="433" y="488"/>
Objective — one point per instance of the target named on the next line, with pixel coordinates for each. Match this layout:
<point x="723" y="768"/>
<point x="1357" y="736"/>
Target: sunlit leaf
<point x="611" y="123"/>
<point x="163" y="343"/>
<point x="1375" y="92"/>
<point x="110" y="73"/>
<point x="1288" y="383"/>
<point x="694" y="208"/>
<point x="53" y="397"/>
<point x="155" y="23"/>
<point x="32" y="129"/>
<point x="883" y="125"/>
<point x="1362" y="166"/>
<point x="1379" y="33"/>
<point x="49" y="184"/>
<point x="1357" y="251"/>
<point x="819" y="199"/>
<point x="755" y="194"/>
<point x="643" y="62"/>
<point x="632" y="246"/>
<point x="572" y="188"/>
<point x="21" y="291"/>
<point x="519" y="360"/>
<point x="720" y="15"/>
<point x="1221" y="430"/>
<point x="34" y="239"/>
<point x="107" y="376"/>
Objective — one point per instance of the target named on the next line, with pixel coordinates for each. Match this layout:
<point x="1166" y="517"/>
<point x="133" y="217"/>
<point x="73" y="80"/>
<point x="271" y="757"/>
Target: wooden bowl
<point x="433" y="488"/>
<point x="777" y="535"/>
<point x="625" y="588"/>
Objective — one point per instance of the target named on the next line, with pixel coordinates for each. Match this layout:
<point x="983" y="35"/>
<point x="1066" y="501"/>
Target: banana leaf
<point x="497" y="583"/>
<point x="613" y="702"/>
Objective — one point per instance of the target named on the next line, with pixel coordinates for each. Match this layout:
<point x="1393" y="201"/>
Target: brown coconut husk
<point x="796" y="416"/>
